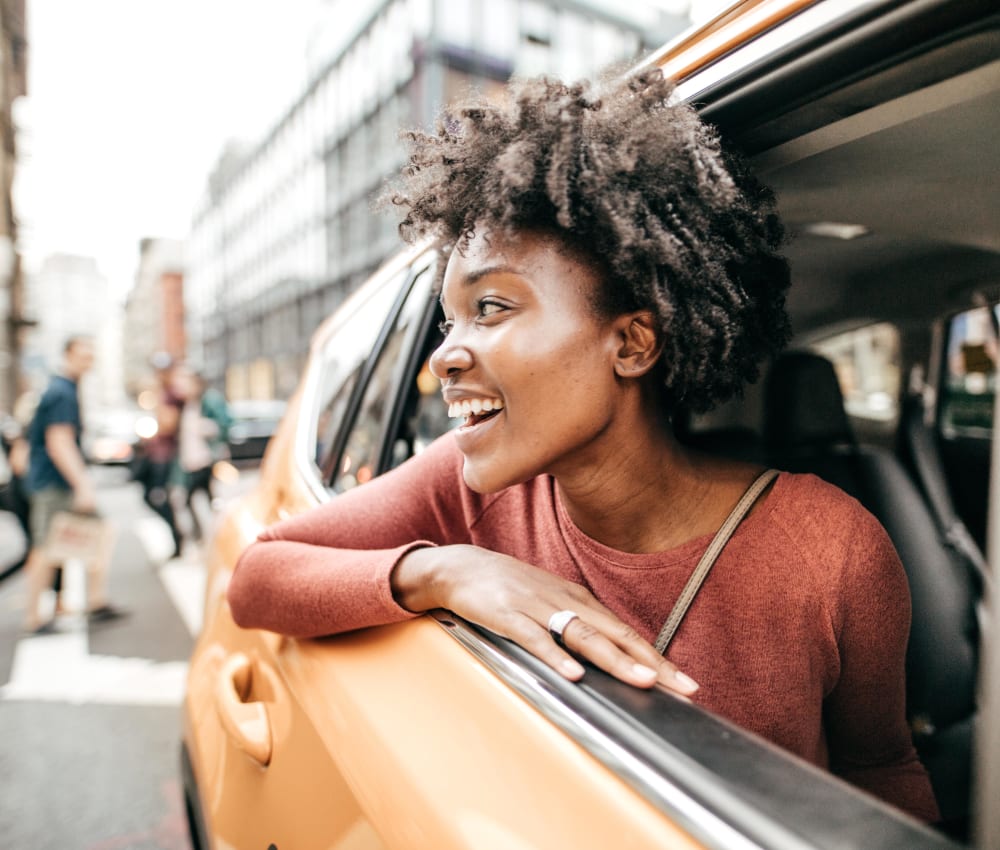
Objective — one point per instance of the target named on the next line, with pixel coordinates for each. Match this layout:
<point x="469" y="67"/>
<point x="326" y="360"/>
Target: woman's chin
<point x="485" y="478"/>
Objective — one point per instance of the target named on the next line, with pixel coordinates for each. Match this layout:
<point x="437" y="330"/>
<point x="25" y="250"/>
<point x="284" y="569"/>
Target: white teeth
<point x="473" y="407"/>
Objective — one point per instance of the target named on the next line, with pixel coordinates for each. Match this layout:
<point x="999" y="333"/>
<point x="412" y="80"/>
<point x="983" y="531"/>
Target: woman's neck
<point x="652" y="494"/>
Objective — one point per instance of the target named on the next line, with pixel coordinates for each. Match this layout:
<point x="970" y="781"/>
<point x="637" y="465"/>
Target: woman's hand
<point x="516" y="600"/>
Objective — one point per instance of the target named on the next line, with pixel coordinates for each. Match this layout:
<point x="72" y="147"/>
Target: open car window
<point x="423" y="415"/>
<point x="339" y="366"/>
<point x="358" y="462"/>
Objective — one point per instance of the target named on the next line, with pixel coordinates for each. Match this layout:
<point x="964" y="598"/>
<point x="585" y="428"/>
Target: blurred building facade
<point x="77" y="300"/>
<point x="285" y="230"/>
<point x="154" y="312"/>
<point x="13" y="315"/>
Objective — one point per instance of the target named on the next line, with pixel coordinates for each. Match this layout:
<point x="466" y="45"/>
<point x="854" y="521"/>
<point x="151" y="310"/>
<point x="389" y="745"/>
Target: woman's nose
<point x="450" y="358"/>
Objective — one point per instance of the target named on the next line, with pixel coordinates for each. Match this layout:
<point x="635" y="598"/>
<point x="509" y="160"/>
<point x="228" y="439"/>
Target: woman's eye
<point x="445" y="327"/>
<point x="488" y="308"/>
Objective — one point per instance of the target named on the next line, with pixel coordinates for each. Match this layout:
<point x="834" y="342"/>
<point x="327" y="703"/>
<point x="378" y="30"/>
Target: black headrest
<point x="803" y="405"/>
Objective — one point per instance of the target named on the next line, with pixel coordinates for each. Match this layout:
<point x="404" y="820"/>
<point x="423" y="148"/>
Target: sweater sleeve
<point x="327" y="570"/>
<point x="869" y="739"/>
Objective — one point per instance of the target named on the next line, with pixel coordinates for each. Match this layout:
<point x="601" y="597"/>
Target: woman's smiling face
<point x="527" y="354"/>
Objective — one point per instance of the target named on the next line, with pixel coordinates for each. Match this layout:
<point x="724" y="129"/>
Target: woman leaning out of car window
<point x="607" y="263"/>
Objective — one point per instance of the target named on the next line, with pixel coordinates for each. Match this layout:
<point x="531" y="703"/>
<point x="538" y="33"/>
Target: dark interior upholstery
<point x="806" y="430"/>
<point x="918" y="449"/>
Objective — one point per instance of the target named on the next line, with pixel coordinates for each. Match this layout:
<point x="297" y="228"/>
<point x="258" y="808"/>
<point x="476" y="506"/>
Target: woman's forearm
<point x="303" y="590"/>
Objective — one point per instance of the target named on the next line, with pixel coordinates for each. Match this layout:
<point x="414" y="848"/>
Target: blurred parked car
<point x="110" y="436"/>
<point x="876" y="123"/>
<point x="253" y="424"/>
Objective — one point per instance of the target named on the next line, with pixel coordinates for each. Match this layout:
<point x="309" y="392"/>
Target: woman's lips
<point x="475" y="427"/>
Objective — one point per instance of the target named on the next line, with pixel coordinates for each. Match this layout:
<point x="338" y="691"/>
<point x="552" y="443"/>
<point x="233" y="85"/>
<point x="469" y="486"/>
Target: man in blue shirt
<point x="58" y="480"/>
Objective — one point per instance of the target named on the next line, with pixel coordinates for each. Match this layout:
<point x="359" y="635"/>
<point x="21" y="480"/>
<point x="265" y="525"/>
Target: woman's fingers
<point x="537" y="640"/>
<point x="628" y="639"/>
<point x="517" y="600"/>
<point x="625" y="656"/>
<point x="636" y="663"/>
<point x="631" y="642"/>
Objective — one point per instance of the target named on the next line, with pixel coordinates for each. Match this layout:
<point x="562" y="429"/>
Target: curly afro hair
<point x="636" y="182"/>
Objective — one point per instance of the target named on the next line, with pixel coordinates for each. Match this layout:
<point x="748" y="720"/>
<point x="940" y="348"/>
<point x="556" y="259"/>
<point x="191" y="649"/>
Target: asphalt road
<point x="90" y="715"/>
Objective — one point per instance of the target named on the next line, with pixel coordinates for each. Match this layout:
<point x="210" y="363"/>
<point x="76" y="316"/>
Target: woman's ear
<point x="639" y="344"/>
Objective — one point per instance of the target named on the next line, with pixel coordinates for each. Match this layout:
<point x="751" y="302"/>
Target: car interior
<point x="891" y="209"/>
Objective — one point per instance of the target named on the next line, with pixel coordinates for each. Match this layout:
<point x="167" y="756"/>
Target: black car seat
<point x="918" y="449"/>
<point x="806" y="429"/>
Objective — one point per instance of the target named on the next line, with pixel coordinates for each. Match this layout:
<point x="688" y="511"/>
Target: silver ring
<point x="559" y="621"/>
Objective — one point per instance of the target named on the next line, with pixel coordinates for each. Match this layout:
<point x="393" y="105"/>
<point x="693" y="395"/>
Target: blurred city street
<point x="91" y="720"/>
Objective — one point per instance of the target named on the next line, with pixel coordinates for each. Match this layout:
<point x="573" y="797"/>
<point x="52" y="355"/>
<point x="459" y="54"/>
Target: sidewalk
<point x="12" y="544"/>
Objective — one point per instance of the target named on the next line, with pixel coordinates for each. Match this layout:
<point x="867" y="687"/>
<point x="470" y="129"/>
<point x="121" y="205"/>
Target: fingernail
<point x="572" y="668"/>
<point x="686" y="682"/>
<point x="644" y="671"/>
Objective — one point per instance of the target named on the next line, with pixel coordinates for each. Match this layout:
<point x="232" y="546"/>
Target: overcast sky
<point x="129" y="105"/>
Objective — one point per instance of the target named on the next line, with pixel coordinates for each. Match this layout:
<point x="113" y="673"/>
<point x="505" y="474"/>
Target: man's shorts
<point x="45" y="504"/>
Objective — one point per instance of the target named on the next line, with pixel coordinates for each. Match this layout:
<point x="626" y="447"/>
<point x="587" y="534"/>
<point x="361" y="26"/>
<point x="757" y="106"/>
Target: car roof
<point x="894" y="136"/>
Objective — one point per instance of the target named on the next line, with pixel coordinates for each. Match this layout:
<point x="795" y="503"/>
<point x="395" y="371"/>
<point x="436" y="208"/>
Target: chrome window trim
<point x="801" y="25"/>
<point x="703" y="824"/>
<point x="689" y="795"/>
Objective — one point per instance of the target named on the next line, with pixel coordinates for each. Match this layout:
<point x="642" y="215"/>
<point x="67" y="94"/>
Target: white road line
<point x="185" y="584"/>
<point x="183" y="578"/>
<point x="58" y="668"/>
<point x="155" y="538"/>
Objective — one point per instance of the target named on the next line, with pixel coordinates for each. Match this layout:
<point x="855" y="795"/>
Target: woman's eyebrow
<point x="477" y="275"/>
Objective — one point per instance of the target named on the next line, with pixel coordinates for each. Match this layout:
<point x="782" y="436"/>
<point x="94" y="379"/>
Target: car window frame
<point x="419" y="283"/>
<point x="368" y="366"/>
<point x="424" y="329"/>
<point x="306" y="463"/>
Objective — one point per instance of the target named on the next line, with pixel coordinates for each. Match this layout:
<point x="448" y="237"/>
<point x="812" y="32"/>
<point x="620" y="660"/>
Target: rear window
<point x="867" y="363"/>
<point x="970" y="372"/>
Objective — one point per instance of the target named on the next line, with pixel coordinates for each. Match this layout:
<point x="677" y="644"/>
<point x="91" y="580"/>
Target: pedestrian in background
<point x="13" y="479"/>
<point x="58" y="482"/>
<point x="204" y="427"/>
<point x="160" y="451"/>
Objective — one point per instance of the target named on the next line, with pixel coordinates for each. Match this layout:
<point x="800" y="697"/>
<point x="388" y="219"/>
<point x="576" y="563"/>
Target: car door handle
<point x="245" y="720"/>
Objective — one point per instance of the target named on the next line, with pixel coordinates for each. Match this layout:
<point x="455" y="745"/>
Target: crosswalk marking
<point x="59" y="667"/>
<point x="185" y="584"/>
<point x="183" y="578"/>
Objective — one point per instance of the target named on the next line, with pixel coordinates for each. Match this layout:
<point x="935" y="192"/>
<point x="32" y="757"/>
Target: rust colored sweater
<point x="798" y="634"/>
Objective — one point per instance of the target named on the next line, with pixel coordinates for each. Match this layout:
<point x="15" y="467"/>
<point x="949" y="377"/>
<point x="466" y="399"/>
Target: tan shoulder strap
<point x="712" y="553"/>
